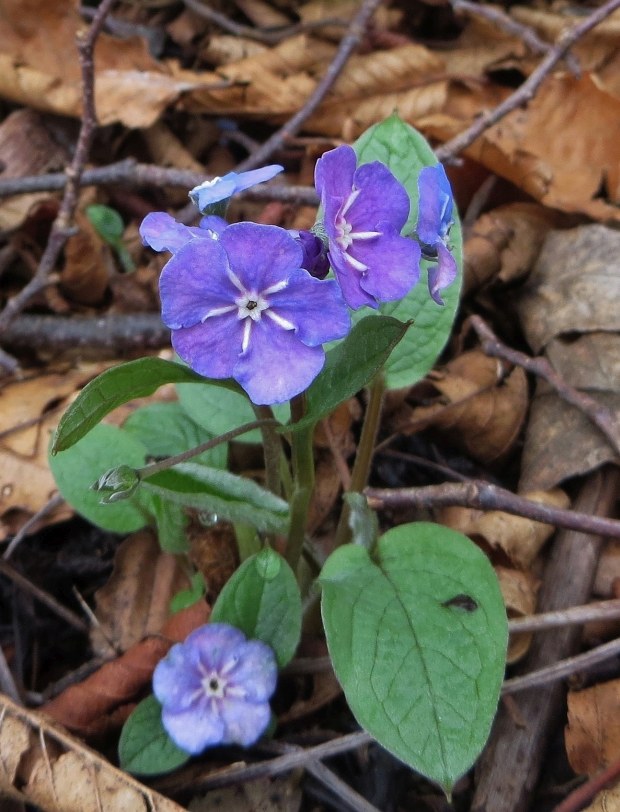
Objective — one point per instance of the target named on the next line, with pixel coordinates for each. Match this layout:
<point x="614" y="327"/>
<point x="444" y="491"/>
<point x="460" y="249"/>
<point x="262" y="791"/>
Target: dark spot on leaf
<point x="464" y="602"/>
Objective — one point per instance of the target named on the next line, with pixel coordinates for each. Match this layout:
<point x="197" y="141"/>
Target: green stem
<point x="365" y="452"/>
<point x="156" y="467"/>
<point x="303" y="477"/>
<point x="272" y="448"/>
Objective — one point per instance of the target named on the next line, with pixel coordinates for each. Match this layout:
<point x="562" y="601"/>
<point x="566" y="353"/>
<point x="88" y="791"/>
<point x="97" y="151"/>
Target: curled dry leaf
<point x="88" y="708"/>
<point x="135" y="601"/>
<point x="593" y="732"/>
<point x="520" y="539"/>
<point x="88" y="265"/>
<point x="504" y="243"/>
<point x="519" y="591"/>
<point x="40" y="764"/>
<point x="481" y="408"/>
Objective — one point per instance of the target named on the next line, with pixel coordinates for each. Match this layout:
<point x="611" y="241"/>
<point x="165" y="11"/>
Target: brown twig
<point x="585" y="793"/>
<point x="528" y="89"/>
<point x="513" y="27"/>
<point x="563" y="668"/>
<point x="349" y="42"/>
<point x="131" y="173"/>
<point x="576" y="615"/>
<point x="604" y="419"/>
<point x="61" y="228"/>
<point x="49" y="507"/>
<point x="266" y="35"/>
<point x="483" y="496"/>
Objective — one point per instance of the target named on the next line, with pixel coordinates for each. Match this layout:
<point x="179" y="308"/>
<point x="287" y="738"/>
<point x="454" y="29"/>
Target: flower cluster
<point x="251" y="302"/>
<point x="215" y="687"/>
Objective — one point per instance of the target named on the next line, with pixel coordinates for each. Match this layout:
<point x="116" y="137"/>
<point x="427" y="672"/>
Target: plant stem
<point x="272" y="448"/>
<point x="303" y="477"/>
<point x="156" y="467"/>
<point x="365" y="452"/>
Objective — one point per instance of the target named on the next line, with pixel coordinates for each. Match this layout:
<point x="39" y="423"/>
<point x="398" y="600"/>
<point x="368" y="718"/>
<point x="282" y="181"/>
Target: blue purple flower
<point x="315" y="259"/>
<point x="212" y="191"/>
<point x="161" y="232"/>
<point x="215" y="687"/>
<point x="242" y="306"/>
<point x="365" y="209"/>
<point x="435" y="218"/>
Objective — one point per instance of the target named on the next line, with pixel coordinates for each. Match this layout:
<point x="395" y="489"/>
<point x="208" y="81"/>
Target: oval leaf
<point x="231" y="497"/>
<point x="406" y="152"/>
<point x="418" y="641"/>
<point x="144" y="747"/>
<point x="135" y="379"/>
<point x="76" y="469"/>
<point x="262" y="599"/>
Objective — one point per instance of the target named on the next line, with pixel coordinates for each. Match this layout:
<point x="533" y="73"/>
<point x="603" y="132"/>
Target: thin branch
<point x="61" y="228"/>
<point x="513" y="27"/>
<point x="7" y="681"/>
<point x="563" y="668"/>
<point x="484" y="496"/>
<point x="49" y="507"/>
<point x="266" y="35"/>
<point x="576" y="615"/>
<point x="131" y="173"/>
<point x="528" y="89"/>
<point x="603" y="418"/>
<point x="586" y="792"/>
<point x="348" y="44"/>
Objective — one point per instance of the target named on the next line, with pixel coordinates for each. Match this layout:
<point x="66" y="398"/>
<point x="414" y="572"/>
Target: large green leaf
<point x="76" y="469"/>
<point x="262" y="599"/>
<point x="418" y="641"/>
<point x="144" y="747"/>
<point x="230" y="497"/>
<point x="406" y="152"/>
<point x="115" y="386"/>
<point x="350" y="365"/>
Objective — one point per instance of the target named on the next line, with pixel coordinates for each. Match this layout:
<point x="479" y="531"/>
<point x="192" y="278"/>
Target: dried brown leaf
<point x="40" y="764"/>
<point x="279" y="794"/>
<point x="519" y="592"/>
<point x="88" y="708"/>
<point x="593" y="732"/>
<point x="88" y="265"/>
<point x="520" y="539"/>
<point x="482" y="409"/>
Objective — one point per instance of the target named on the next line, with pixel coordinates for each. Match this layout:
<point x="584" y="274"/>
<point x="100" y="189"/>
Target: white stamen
<point x="237" y="692"/>
<point x="235" y="280"/>
<point x="355" y="263"/>
<point x="285" y="324"/>
<point x="247" y="328"/>
<point x="364" y="235"/>
<point x="350" y="201"/>
<point x="278" y="286"/>
<point x="218" y="311"/>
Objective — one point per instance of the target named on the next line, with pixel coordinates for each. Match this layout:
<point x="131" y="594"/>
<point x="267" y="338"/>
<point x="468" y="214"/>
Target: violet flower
<point x="161" y="232"/>
<point x="212" y="191"/>
<point x="435" y="218"/>
<point x="365" y="209"/>
<point x="243" y="307"/>
<point x="215" y="687"/>
<point x="315" y="259"/>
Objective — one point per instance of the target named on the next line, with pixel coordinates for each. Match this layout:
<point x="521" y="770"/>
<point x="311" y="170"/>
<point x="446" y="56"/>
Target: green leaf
<point x="406" y="152"/>
<point x="106" y="221"/>
<point x="135" y="379"/>
<point x="166" y="430"/>
<point x="350" y="365"/>
<point x="219" y="411"/>
<point x="144" y="747"/>
<point x="418" y="641"/>
<point x="262" y="599"/>
<point x="188" y="597"/>
<point x="171" y="521"/>
<point x="362" y="520"/>
<point x="76" y="469"/>
<point x="230" y="497"/>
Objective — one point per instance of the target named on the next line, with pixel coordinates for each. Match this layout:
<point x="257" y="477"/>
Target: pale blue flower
<point x="212" y="191"/>
<point x="436" y="216"/>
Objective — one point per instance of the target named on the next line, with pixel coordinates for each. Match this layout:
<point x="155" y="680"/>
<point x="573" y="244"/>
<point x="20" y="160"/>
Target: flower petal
<point x="393" y="265"/>
<point x="247" y="179"/>
<point x="197" y="728"/>
<point x="211" y="349"/>
<point x="333" y="176"/>
<point x="349" y="280"/>
<point x="214" y="224"/>
<point x="244" y="722"/>
<point x="161" y="232"/>
<point x="261" y="256"/>
<point x="194" y="282"/>
<point x="277" y="365"/>
<point x="256" y="671"/>
<point x="442" y="273"/>
<point x="435" y="206"/>
<point x="176" y="678"/>
<point x="214" y="643"/>
<point x="212" y="191"/>
<point x="381" y="197"/>
<point x="315" y="307"/>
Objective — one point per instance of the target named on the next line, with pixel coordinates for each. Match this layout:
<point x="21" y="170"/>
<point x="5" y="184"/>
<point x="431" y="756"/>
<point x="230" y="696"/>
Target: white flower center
<point x="250" y="305"/>
<point x="346" y="236"/>
<point x="213" y="685"/>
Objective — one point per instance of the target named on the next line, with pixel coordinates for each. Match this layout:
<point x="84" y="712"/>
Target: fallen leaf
<point x="481" y="408"/>
<point x="593" y="732"/>
<point x="88" y="264"/>
<point x="606" y="801"/>
<point x="279" y="794"/>
<point x="519" y="591"/>
<point x="520" y="539"/>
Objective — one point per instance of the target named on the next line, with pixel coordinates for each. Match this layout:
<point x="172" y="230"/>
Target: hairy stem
<point x="303" y="479"/>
